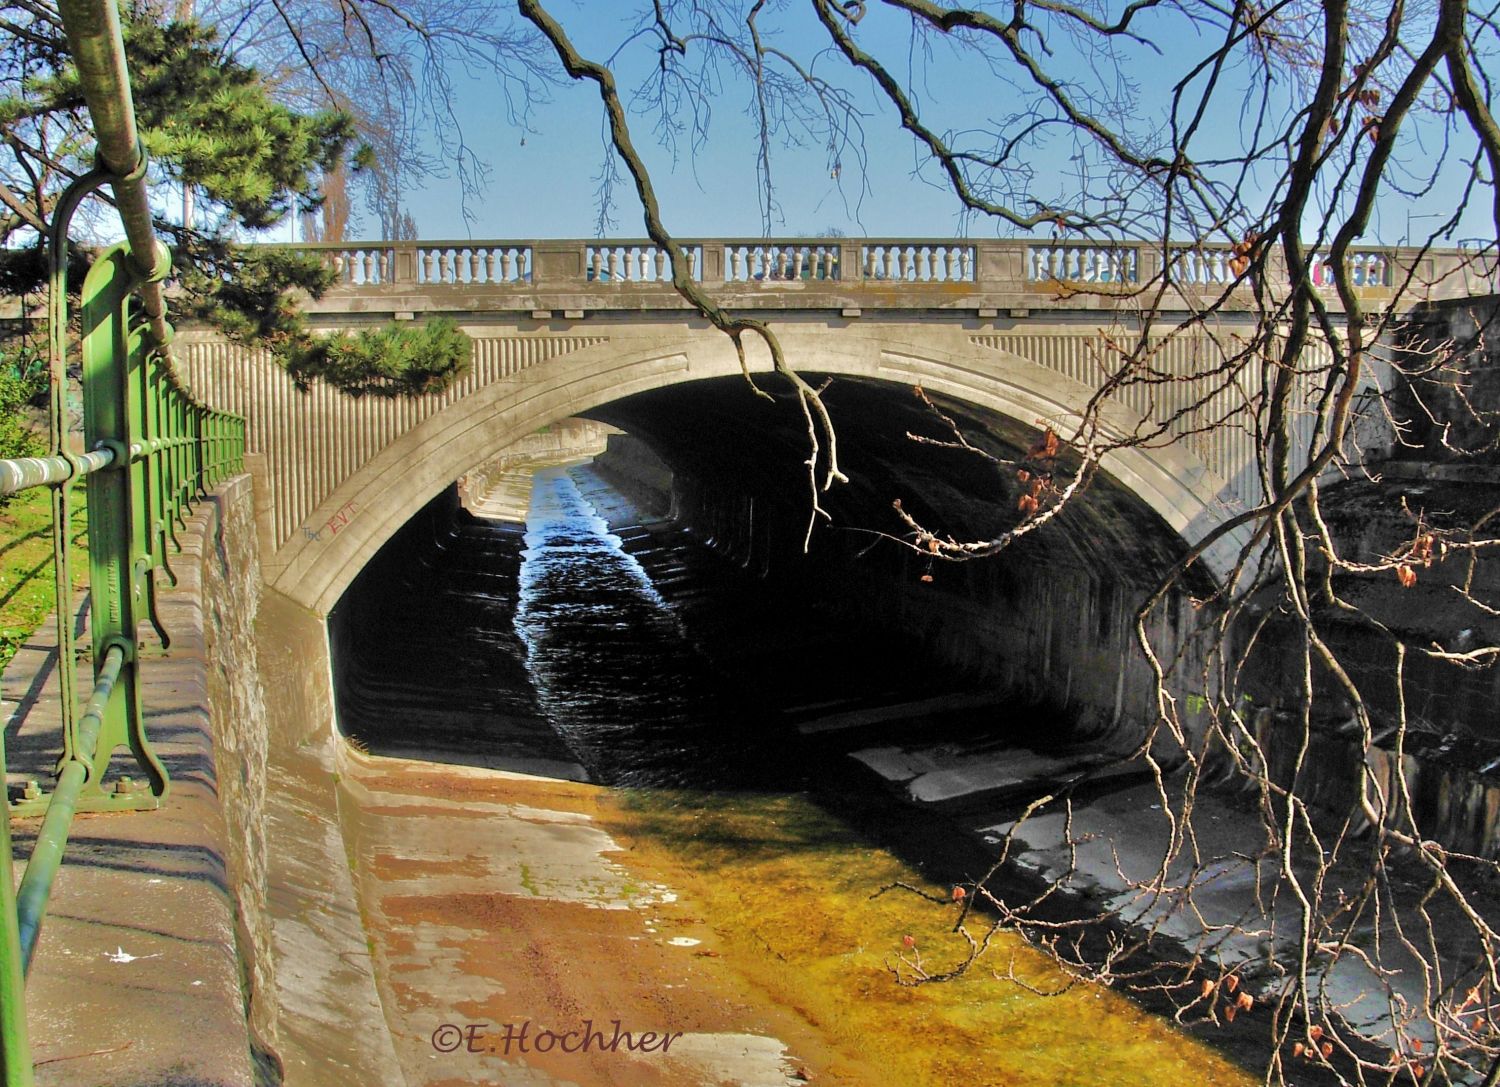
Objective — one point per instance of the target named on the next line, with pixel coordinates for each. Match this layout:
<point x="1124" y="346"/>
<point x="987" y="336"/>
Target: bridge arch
<point x="366" y="507"/>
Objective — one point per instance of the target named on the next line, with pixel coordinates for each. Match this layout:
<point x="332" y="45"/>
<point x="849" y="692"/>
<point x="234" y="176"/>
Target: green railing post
<point x="150" y="451"/>
<point x="15" y="1042"/>
<point x="119" y="500"/>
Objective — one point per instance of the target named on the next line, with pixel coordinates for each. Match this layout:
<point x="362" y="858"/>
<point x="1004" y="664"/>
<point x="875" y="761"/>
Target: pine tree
<point x="210" y="123"/>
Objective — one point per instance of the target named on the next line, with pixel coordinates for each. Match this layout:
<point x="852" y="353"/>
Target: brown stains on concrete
<point x="509" y="931"/>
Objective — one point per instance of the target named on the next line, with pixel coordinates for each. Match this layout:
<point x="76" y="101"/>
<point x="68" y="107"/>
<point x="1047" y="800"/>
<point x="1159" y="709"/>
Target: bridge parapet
<point x="988" y="277"/>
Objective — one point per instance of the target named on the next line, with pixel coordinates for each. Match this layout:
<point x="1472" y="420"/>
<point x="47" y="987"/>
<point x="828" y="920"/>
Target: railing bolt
<point x="31" y="790"/>
<point x="124" y="786"/>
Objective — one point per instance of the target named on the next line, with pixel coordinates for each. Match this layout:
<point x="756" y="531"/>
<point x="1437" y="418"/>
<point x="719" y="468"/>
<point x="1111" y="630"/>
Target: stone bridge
<point x="1019" y="332"/>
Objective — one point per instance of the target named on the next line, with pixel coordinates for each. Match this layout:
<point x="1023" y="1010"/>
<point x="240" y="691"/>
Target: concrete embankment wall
<point x="155" y="963"/>
<point x="218" y="940"/>
<point x="1434" y="720"/>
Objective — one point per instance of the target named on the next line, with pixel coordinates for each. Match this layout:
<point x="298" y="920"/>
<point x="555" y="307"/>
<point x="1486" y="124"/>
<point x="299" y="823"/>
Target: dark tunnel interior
<point x="707" y="493"/>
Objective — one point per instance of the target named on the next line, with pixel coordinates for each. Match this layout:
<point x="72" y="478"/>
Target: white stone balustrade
<point x="1075" y="263"/>
<point x="1201" y="266"/>
<point x="1367" y="268"/>
<point x="918" y="262"/>
<point x="360" y="265"/>
<point x="610" y="263"/>
<point x="484" y="262"/>
<point x="997" y="273"/>
<point x="746" y="262"/>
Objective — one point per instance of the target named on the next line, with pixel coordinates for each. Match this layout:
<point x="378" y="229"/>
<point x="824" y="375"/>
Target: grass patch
<point x="27" y="593"/>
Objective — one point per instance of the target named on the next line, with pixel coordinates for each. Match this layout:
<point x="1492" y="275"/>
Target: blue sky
<point x="544" y="181"/>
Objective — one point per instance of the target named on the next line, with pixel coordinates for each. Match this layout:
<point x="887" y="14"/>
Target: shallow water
<point x="765" y="832"/>
<point x="614" y="671"/>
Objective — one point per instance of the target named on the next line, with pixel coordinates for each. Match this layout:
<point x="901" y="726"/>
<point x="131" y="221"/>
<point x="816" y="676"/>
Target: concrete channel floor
<point x="486" y="891"/>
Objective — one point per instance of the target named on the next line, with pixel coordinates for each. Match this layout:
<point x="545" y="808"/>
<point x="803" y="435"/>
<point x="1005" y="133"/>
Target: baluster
<point x="950" y="266"/>
<point x="927" y="264"/>
<point x="489" y="265"/>
<point x="594" y="263"/>
<point x="661" y="264"/>
<point x="509" y="266"/>
<point x="427" y="266"/>
<point x="613" y="263"/>
<point x="473" y="262"/>
<point x="799" y="256"/>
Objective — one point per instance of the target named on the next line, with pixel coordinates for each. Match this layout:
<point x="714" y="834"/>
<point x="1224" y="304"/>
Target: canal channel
<point x="720" y="733"/>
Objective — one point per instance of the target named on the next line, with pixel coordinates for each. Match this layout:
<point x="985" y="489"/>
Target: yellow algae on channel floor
<point x="787" y="887"/>
<point x="742" y="922"/>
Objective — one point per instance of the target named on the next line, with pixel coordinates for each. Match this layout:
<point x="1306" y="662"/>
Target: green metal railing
<point x="149" y="450"/>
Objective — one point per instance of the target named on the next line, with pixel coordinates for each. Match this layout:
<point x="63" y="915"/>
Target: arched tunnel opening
<point x="694" y="520"/>
<point x="795" y="729"/>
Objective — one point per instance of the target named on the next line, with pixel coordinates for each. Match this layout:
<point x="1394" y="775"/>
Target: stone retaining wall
<point x="154" y="963"/>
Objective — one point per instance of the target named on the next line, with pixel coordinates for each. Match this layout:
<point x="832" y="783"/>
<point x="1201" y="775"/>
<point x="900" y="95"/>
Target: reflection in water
<point x="612" y="669"/>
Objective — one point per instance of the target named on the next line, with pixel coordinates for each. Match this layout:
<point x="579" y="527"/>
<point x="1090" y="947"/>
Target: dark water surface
<point x="614" y="671"/>
<point x="647" y="661"/>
